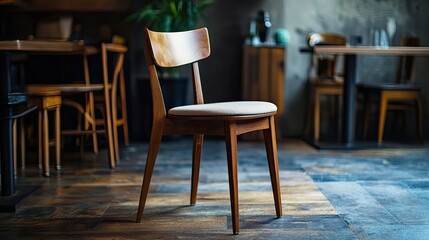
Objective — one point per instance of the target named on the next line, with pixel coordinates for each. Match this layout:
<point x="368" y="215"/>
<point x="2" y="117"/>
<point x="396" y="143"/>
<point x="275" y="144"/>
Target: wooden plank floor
<point x="326" y="195"/>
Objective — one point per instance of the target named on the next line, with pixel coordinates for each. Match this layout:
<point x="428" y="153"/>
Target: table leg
<point x="349" y="100"/>
<point x="7" y="178"/>
<point x="6" y="133"/>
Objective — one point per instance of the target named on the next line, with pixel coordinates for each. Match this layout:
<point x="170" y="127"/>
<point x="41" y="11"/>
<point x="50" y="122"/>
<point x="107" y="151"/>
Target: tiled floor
<point x="366" y="194"/>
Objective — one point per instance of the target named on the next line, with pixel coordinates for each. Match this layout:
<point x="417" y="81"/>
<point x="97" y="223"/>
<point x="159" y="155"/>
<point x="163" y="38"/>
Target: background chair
<point x="112" y="56"/>
<point x="87" y="90"/>
<point x="227" y="118"/>
<point x="325" y="81"/>
<point x="402" y="95"/>
<point x="47" y="100"/>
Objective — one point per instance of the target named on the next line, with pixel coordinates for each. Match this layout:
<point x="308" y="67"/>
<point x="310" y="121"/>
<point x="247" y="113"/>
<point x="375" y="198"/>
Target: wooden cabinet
<point x="263" y="78"/>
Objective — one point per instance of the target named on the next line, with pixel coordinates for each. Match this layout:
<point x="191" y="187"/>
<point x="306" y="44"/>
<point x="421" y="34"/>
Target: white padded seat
<point x="224" y="109"/>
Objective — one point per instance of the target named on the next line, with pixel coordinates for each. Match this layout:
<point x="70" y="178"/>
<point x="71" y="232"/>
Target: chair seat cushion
<point x="225" y="109"/>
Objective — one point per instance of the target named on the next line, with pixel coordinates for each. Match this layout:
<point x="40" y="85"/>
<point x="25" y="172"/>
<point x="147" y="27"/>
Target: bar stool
<point x="47" y="100"/>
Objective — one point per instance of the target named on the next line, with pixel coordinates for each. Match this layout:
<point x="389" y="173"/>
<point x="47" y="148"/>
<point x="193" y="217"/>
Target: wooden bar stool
<point x="47" y="100"/>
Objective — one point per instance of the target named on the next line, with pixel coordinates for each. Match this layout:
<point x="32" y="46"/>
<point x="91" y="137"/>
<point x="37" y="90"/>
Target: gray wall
<point x="349" y="17"/>
<point x="228" y="23"/>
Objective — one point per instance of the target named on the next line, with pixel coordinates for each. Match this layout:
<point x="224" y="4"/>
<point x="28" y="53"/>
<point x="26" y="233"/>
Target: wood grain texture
<point x="320" y="191"/>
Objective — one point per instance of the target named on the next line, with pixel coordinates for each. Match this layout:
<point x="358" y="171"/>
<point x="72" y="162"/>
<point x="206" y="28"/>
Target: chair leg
<point x="196" y="159"/>
<point x="15" y="147"/>
<point x="115" y="126"/>
<point x="22" y="141"/>
<point x="124" y="110"/>
<point x="155" y="142"/>
<point x="271" y="148"/>
<point x="231" y="149"/>
<point x="91" y="105"/>
<point x="310" y="112"/>
<point x="46" y="143"/>
<point x="40" y="137"/>
<point x="116" y="141"/>
<point x="419" y="117"/>
<point x="58" y="138"/>
<point x="108" y="128"/>
<point x="382" y="118"/>
<point x="316" y="116"/>
<point x="125" y="130"/>
<point x="93" y="124"/>
<point x="367" y="113"/>
<point x="79" y="139"/>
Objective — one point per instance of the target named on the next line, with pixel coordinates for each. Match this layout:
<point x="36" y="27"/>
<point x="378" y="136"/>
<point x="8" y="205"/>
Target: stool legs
<point x="40" y="138"/>
<point x="58" y="138"/>
<point x="44" y="140"/>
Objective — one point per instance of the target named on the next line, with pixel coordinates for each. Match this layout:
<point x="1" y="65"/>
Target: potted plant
<point x="170" y="16"/>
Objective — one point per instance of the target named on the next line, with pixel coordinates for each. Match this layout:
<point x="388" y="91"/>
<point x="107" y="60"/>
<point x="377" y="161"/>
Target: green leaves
<point x="171" y="15"/>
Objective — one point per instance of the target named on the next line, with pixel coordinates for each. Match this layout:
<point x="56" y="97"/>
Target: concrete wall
<point x="228" y="24"/>
<point x="349" y="17"/>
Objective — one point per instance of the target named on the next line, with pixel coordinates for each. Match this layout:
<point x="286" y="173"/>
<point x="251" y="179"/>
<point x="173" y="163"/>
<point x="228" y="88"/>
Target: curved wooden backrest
<point x="325" y="66"/>
<point x="113" y="70"/>
<point x="406" y="63"/>
<point x="117" y="63"/>
<point x="172" y="49"/>
<point x="325" y="39"/>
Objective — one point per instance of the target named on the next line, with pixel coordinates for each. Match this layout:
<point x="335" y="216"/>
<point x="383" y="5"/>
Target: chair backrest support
<point x="406" y="63"/>
<point x="174" y="49"/>
<point x="117" y="75"/>
<point x="325" y="65"/>
<point x="325" y="39"/>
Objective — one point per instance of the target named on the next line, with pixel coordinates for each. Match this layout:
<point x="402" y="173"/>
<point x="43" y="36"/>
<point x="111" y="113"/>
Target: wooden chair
<point x="326" y="81"/>
<point x="112" y="56"/>
<point x="226" y="118"/>
<point x="47" y="100"/>
<point x="87" y="89"/>
<point x="401" y="95"/>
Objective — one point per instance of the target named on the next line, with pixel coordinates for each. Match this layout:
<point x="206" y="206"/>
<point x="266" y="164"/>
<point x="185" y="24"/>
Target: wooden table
<point x="6" y="111"/>
<point x="349" y="97"/>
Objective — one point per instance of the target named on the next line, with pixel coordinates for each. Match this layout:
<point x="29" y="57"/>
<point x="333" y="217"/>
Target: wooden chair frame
<point x="116" y="84"/>
<point x="191" y="47"/>
<point x="45" y="100"/>
<point x="402" y="95"/>
<point x="87" y="88"/>
<point x="318" y="85"/>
